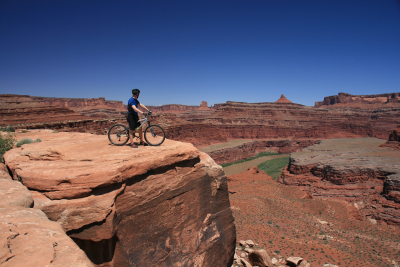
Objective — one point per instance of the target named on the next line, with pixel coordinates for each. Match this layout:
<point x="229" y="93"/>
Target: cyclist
<point x="133" y="117"/>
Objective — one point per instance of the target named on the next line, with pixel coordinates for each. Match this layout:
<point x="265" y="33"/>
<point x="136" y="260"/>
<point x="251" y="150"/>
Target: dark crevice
<point x="10" y="172"/>
<point x="100" y="252"/>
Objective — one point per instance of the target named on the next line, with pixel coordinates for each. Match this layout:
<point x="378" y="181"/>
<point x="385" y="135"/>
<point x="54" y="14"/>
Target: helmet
<point x="135" y="91"/>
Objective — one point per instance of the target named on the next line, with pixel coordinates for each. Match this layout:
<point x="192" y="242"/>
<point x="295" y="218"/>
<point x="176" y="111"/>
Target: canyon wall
<point x="356" y="170"/>
<point x="238" y="120"/>
<point x="150" y="206"/>
<point x="251" y="149"/>
<point x="363" y="101"/>
<point x="20" y="109"/>
<point x="394" y="139"/>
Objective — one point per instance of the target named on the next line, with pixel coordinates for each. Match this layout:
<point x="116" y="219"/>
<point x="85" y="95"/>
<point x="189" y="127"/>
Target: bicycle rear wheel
<point x="118" y="134"/>
<point x="154" y="135"/>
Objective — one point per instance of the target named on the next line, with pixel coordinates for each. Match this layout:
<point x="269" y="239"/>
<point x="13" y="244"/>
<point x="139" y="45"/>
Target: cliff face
<point x="238" y="120"/>
<point x="19" y="109"/>
<point x="151" y="206"/>
<point x="356" y="170"/>
<point x="92" y="107"/>
<point x="394" y="139"/>
<point x="363" y="101"/>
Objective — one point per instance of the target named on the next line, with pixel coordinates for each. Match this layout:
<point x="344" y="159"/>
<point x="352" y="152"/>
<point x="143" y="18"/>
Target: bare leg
<point x="141" y="135"/>
<point x="131" y="132"/>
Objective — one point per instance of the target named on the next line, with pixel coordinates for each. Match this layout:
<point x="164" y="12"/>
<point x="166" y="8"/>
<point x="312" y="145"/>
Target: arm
<point x="143" y="106"/>
<point x="137" y="110"/>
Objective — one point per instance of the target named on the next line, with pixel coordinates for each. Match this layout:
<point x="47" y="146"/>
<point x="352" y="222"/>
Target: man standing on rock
<point x="133" y="117"/>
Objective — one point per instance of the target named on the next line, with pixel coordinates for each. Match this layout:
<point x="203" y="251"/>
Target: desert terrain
<point x="336" y="202"/>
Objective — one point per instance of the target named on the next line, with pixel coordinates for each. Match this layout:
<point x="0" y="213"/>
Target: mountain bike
<point x="154" y="135"/>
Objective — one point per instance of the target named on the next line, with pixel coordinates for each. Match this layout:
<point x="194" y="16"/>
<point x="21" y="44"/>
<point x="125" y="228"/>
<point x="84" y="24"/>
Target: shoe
<point x="134" y="145"/>
<point x="144" y="143"/>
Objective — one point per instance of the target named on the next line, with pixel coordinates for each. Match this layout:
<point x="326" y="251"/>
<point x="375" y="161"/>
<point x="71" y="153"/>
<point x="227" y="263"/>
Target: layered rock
<point x="238" y="120"/>
<point x="20" y="109"/>
<point x="356" y="170"/>
<point x="251" y="149"/>
<point x="92" y="107"/>
<point x="394" y="139"/>
<point x="283" y="100"/>
<point x="363" y="101"/>
<point x="29" y="238"/>
<point x="151" y="206"/>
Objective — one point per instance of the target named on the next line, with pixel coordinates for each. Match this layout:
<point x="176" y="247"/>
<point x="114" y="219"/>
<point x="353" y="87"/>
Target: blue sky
<point x="185" y="52"/>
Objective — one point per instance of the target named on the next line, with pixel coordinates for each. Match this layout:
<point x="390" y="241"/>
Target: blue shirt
<point x="133" y="102"/>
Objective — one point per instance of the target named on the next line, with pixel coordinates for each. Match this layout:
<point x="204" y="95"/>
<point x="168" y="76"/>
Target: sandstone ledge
<point x="29" y="238"/>
<point x="357" y="170"/>
<point x="150" y="206"/>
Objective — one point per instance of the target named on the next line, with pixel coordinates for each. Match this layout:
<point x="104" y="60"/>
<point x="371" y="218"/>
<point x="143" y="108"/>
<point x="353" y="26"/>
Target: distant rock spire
<point x="283" y="99"/>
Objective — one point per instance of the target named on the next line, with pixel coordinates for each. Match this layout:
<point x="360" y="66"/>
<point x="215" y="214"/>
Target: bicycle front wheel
<point x="118" y="134"/>
<point x="154" y="135"/>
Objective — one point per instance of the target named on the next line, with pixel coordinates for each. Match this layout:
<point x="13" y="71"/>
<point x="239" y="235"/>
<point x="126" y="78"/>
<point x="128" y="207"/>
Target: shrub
<point x="6" y="143"/>
<point x="10" y="129"/>
<point x="24" y="141"/>
<point x="38" y="140"/>
<point x="23" y="131"/>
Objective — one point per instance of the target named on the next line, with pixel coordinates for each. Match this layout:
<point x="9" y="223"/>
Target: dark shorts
<point x="133" y="120"/>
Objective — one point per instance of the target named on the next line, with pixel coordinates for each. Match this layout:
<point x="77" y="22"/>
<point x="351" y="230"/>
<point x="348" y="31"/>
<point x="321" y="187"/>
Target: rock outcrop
<point x="151" y="206"/>
<point x="238" y="120"/>
<point x="394" y="139"/>
<point x="252" y="148"/>
<point x="356" y="170"/>
<point x="283" y="100"/>
<point x="29" y="238"/>
<point x="91" y="107"/>
<point x="20" y="109"/>
<point x="361" y="101"/>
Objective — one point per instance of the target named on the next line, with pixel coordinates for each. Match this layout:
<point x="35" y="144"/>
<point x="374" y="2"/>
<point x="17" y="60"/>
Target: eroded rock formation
<point x="394" y="139"/>
<point x="283" y="100"/>
<point x="29" y="238"/>
<point x="238" y="120"/>
<point x="151" y="206"/>
<point x="91" y="107"/>
<point x="356" y="170"/>
<point x="251" y="149"/>
<point x="20" y="109"/>
<point x="361" y="101"/>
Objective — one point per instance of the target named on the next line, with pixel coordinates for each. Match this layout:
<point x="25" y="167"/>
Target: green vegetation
<point x="6" y="143"/>
<point x="274" y="167"/>
<point x="38" y="140"/>
<point x="7" y="129"/>
<point x="24" y="141"/>
<point x="262" y="154"/>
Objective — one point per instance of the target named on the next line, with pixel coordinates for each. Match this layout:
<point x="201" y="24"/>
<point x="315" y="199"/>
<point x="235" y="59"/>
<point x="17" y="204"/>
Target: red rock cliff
<point x="152" y="206"/>
<point x="20" y="109"/>
<point x="365" y="101"/>
<point x="356" y="170"/>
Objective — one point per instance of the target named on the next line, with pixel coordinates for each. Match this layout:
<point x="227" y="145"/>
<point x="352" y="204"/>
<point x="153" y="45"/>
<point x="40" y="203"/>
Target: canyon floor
<point x="285" y="221"/>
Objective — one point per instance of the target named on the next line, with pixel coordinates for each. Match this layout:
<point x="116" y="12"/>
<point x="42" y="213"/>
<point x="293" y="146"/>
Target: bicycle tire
<point x="154" y="135"/>
<point x="118" y="134"/>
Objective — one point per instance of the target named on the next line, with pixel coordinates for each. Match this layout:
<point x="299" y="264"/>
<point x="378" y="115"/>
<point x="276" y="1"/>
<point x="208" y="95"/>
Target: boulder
<point x="260" y="258"/>
<point x="13" y="193"/>
<point x="294" y="261"/>
<point x="30" y="239"/>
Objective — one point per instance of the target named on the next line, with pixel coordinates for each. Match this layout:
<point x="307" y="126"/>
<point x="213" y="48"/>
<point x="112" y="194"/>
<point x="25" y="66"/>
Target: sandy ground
<point x="321" y="231"/>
